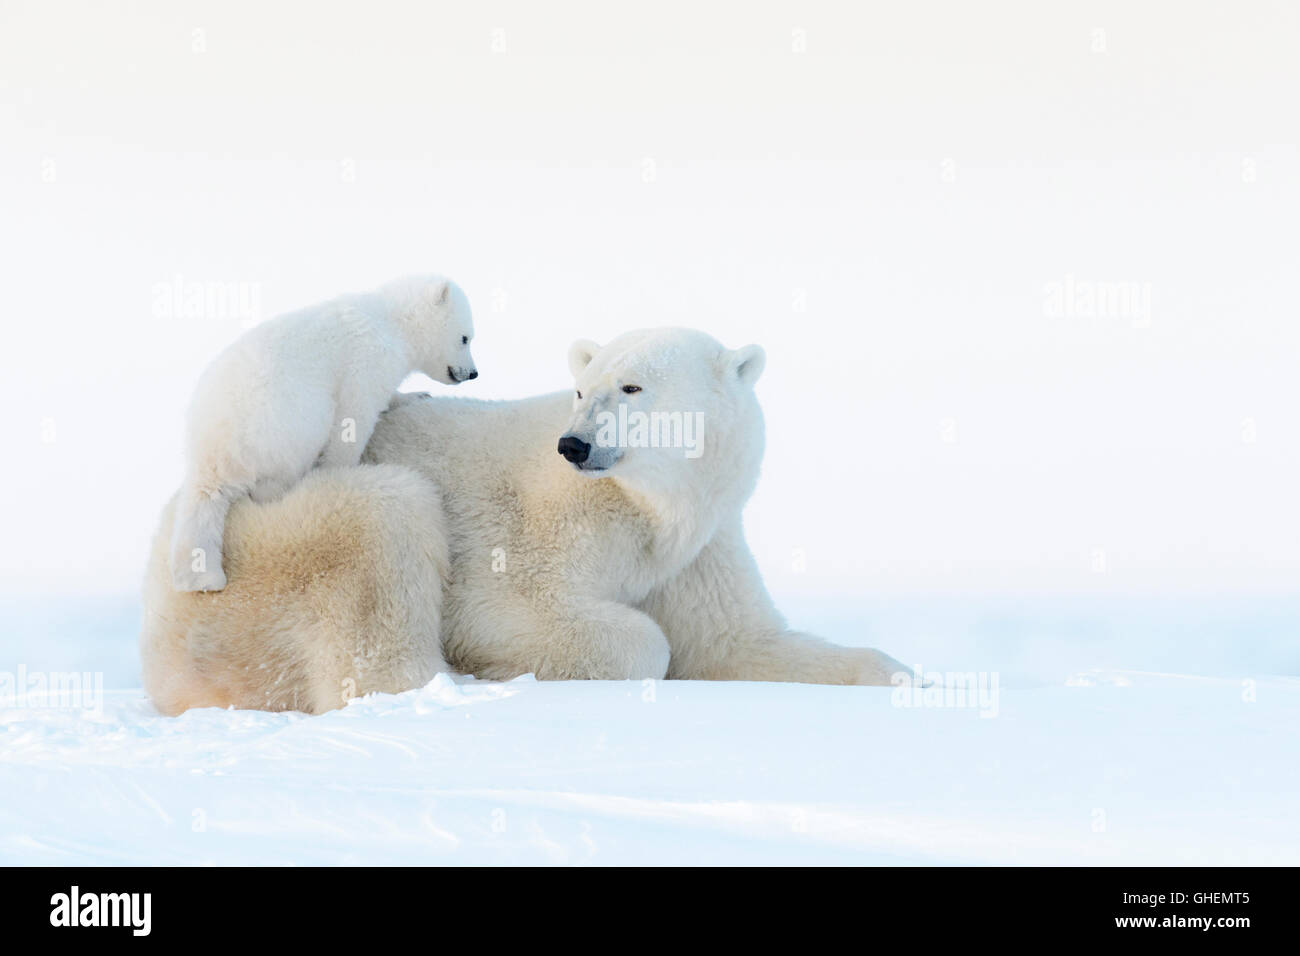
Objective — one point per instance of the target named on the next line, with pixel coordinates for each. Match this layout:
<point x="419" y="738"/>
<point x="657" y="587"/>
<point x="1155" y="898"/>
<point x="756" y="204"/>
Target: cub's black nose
<point x="473" y="374"/>
<point x="574" y="449"/>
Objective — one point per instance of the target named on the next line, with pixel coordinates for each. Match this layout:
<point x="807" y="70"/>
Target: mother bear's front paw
<point x="878" y="668"/>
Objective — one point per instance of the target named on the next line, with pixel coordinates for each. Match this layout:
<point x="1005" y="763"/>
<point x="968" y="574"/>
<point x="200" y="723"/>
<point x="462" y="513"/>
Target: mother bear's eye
<point x="631" y="389"/>
<point x="580" y="394"/>
<point x="464" y="340"/>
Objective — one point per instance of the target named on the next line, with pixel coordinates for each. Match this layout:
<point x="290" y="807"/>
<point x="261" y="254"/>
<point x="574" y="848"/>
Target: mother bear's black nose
<point x="574" y="449"/>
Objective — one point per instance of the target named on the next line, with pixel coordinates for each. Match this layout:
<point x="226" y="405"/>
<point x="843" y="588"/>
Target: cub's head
<point x="435" y="316"/>
<point x="662" y="407"/>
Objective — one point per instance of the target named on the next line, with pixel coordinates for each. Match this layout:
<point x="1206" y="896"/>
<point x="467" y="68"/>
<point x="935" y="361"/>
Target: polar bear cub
<point x="302" y="389"/>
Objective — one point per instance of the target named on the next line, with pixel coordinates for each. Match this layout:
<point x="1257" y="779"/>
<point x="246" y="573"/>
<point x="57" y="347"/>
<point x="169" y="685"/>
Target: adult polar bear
<point x="600" y="562"/>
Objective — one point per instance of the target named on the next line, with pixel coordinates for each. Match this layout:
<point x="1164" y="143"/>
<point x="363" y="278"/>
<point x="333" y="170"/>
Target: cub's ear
<point x="441" y="290"/>
<point x="744" y="365"/>
<point x="581" y="353"/>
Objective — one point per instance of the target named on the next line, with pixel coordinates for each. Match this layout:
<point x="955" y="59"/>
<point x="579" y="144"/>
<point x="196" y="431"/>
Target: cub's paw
<point x="187" y="580"/>
<point x="405" y="398"/>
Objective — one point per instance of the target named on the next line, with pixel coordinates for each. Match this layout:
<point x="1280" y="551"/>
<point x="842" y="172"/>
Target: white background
<point x="1096" y="511"/>
<point x="881" y="195"/>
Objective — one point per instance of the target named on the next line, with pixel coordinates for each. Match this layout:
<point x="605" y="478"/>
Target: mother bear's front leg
<point x="721" y="625"/>
<point x="574" y="639"/>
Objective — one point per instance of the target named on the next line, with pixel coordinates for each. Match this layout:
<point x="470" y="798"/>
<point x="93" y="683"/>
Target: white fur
<point x="640" y="571"/>
<point x="302" y="389"/>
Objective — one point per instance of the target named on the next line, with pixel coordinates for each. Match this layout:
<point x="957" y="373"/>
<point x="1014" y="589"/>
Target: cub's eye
<point x="580" y="394"/>
<point x="631" y="389"/>
<point x="464" y="340"/>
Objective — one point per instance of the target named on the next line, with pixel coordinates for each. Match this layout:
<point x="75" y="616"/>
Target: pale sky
<point x="915" y="211"/>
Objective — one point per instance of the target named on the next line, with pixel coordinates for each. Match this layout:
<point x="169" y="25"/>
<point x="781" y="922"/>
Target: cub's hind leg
<point x="196" y="559"/>
<point x="271" y="488"/>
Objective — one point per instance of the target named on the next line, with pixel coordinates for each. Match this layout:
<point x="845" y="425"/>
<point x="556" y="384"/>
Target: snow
<point x="1081" y="764"/>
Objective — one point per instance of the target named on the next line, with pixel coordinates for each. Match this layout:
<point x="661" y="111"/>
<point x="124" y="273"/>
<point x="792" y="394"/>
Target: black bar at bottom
<point x="367" y="905"/>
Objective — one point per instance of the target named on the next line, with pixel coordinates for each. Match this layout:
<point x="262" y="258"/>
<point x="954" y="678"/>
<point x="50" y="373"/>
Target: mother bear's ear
<point x="744" y="365"/>
<point x="581" y="353"/>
